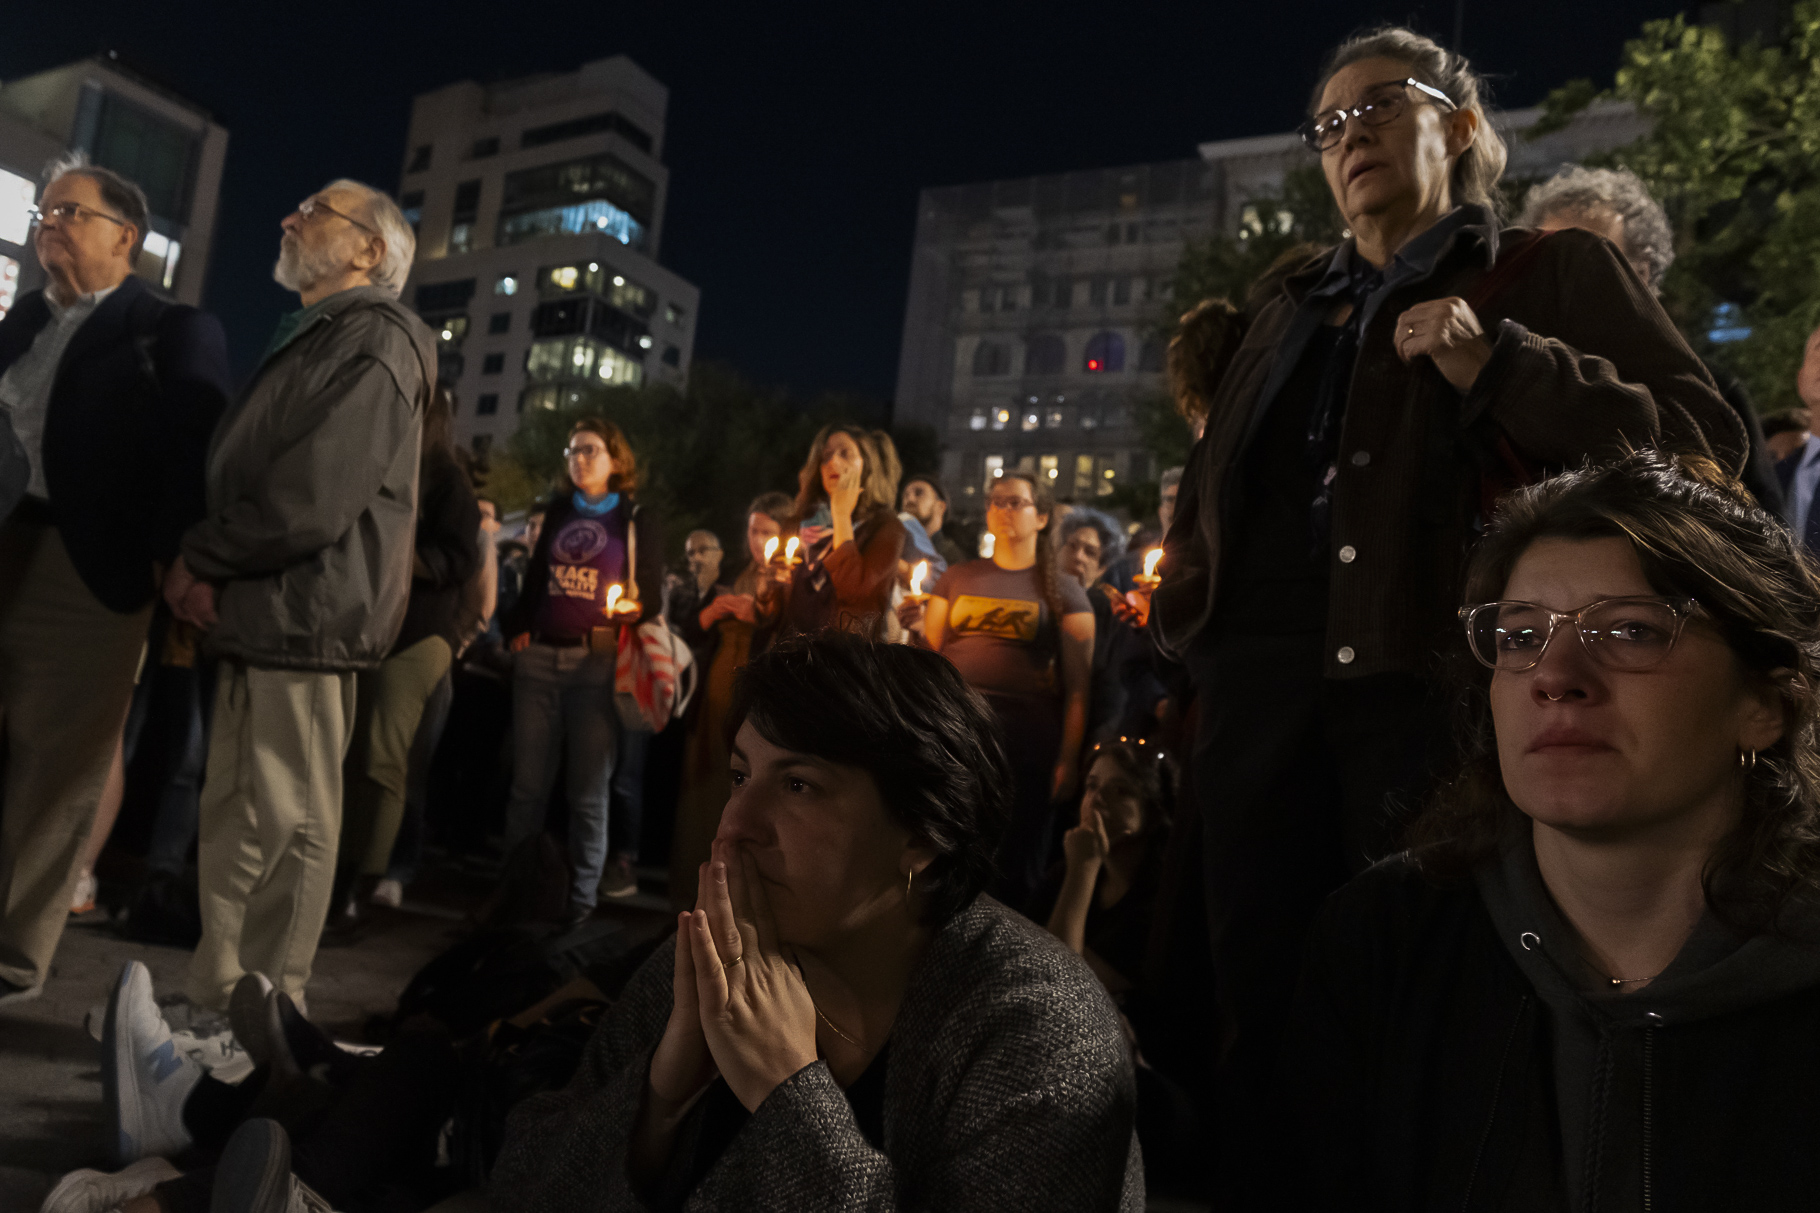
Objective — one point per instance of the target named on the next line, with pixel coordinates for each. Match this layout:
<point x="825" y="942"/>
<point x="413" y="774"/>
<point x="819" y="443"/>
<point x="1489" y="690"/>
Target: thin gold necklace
<point x="818" y="1011"/>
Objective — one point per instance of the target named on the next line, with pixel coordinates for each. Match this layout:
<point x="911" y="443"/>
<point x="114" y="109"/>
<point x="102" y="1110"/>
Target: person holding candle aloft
<point x="740" y="624"/>
<point x="851" y="540"/>
<point x="565" y="640"/>
<point x="1021" y="634"/>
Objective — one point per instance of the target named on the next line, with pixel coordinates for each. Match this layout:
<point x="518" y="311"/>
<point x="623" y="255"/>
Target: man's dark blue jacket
<point x="127" y="430"/>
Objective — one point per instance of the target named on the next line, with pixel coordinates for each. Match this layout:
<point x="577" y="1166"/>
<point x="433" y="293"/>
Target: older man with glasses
<point x="107" y="396"/>
<point x="299" y="572"/>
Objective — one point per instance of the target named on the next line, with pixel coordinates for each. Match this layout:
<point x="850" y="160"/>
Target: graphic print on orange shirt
<point x="1003" y="618"/>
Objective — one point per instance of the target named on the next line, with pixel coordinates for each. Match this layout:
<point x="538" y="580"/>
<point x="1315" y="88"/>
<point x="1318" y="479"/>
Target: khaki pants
<point x="271" y="818"/>
<point x="66" y="676"/>
<point x="391" y="700"/>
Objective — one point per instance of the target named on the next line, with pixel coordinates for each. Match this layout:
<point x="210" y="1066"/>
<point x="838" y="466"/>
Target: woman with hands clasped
<point x="844" y="1021"/>
<point x="851" y="538"/>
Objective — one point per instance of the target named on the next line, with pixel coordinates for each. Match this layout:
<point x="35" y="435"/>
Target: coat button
<point x="1360" y="458"/>
<point x="1348" y="554"/>
<point x="1345" y="654"/>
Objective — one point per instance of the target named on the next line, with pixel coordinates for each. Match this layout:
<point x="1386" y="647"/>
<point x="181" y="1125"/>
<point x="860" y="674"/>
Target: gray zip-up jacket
<point x="312" y="491"/>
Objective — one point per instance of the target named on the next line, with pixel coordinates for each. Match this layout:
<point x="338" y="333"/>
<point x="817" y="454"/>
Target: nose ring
<point x="1554" y="698"/>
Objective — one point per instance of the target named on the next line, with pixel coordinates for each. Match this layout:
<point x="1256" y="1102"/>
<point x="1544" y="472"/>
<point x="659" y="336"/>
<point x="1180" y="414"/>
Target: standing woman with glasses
<point x="1021" y="633"/>
<point x="564" y="630"/>
<point x="1378" y="402"/>
<point x="846" y="518"/>
<point x="1592" y="982"/>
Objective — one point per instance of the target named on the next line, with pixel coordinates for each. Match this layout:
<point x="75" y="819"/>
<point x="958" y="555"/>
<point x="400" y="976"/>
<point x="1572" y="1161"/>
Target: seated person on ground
<point x="1593" y="981"/>
<point x="846" y="1022"/>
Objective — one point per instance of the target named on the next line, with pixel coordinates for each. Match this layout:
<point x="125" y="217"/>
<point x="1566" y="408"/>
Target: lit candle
<point x="790" y="550"/>
<point x="770" y="548"/>
<point x="916" y="578"/>
<point x="613" y="593"/>
<point x="1148" y="580"/>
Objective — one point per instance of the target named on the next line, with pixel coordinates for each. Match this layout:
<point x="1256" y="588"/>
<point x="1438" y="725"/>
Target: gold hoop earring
<point x="909" y="879"/>
<point x="1747" y="762"/>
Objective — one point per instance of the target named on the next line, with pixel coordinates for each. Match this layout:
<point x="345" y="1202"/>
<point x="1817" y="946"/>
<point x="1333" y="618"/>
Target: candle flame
<point x="916" y="576"/>
<point x="613" y="593"/>
<point x="770" y="548"/>
<point x="790" y="548"/>
<point x="1151" y="560"/>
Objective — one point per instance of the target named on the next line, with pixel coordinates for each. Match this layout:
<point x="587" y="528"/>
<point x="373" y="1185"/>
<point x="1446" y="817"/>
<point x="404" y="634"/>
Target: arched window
<point x="1105" y="352"/>
<point x="991" y="358"/>
<point x="1045" y="355"/>
<point x="1151" y="357"/>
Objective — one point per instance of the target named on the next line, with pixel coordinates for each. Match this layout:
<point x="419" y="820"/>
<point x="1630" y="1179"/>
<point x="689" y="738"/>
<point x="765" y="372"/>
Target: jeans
<point x="564" y="698"/>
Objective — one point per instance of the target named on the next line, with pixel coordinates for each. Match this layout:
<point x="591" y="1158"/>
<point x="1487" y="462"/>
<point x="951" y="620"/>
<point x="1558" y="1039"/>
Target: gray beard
<point x="298" y="269"/>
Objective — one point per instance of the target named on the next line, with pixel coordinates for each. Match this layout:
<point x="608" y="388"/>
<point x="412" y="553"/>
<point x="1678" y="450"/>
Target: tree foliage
<point x="703" y="454"/>
<point x="1734" y="156"/>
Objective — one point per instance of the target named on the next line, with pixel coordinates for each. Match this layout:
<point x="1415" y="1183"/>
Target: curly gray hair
<point x="1649" y="241"/>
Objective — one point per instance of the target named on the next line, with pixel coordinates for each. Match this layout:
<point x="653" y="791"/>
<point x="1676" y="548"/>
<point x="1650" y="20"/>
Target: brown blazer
<point x="1584" y="362"/>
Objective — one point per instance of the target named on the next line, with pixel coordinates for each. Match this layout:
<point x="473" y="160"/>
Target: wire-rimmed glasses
<point x="1378" y="105"/>
<point x="1627" y="634"/>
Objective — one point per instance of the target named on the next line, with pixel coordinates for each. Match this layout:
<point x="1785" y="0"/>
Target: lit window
<point x="618" y="280"/>
<point x="461" y="238"/>
<point x="645" y="342"/>
<point x="9" y="284"/>
<point x="1031" y="422"/>
<point x="564" y="277"/>
<point x="978" y="420"/>
<point x="507" y="285"/>
<point x="995" y="467"/>
<point x="1105" y="352"/>
<point x="16" y="197"/>
<point x="593" y="267"/>
<point x="1054" y="419"/>
<point x="1001" y="418"/>
<point x="1051" y="466"/>
<point x="1107" y="477"/>
<point x="1083" y="475"/>
<point x="673" y="313"/>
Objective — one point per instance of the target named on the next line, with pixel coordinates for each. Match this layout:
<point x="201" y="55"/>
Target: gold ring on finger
<point x="727" y="964"/>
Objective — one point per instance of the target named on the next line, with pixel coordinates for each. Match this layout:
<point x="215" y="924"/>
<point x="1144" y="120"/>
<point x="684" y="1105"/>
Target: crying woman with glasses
<point x="1592" y="982"/>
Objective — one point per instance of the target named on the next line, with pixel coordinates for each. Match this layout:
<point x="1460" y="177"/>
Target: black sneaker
<point x="254" y="1174"/>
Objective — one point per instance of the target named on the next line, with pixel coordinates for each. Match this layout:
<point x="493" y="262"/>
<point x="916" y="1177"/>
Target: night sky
<point x="798" y="134"/>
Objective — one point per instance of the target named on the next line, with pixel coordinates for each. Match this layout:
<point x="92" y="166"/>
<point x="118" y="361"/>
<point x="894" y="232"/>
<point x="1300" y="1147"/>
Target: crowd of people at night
<point x="1422" y="811"/>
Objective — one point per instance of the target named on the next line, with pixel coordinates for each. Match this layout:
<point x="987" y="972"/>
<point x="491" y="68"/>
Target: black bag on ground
<point x="502" y="1072"/>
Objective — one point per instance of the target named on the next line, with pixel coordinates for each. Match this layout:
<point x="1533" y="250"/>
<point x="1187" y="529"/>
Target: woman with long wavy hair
<point x="1021" y="633"/>
<point x="846" y="518"/>
<point x="1592" y="983"/>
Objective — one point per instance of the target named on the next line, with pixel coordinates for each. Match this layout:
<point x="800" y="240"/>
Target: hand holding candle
<point x="791" y="559"/>
<point x="917" y="576"/>
<point x="770" y="549"/>
<point x="618" y="603"/>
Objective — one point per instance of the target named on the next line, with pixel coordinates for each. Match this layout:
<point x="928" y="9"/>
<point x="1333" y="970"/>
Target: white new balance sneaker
<point x="145" y="1076"/>
<point x="99" y="1192"/>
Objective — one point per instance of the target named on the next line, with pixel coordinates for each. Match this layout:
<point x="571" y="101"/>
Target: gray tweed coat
<point x="1009" y="1087"/>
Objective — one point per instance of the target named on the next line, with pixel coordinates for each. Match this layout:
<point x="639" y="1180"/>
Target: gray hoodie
<point x="1602" y="1039"/>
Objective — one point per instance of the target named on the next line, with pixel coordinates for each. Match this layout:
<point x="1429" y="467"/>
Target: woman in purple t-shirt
<point x="1021" y="635"/>
<point x="565" y="640"/>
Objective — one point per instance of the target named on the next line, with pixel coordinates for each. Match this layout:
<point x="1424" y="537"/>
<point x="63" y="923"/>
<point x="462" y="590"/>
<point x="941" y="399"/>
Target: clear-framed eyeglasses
<point x="1626" y="634"/>
<point x="309" y="208"/>
<point x="1378" y="105"/>
<point x="70" y="212"/>
<point x="587" y="450"/>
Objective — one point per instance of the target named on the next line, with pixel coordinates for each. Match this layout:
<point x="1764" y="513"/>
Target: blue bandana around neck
<point x="595" y="509"/>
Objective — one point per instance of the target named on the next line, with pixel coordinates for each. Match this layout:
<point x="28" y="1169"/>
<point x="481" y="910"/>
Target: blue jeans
<point x="564" y="697"/>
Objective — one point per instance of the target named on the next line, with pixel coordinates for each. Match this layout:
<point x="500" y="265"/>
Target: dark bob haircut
<point x="1698" y="534"/>
<point x="904" y="715"/>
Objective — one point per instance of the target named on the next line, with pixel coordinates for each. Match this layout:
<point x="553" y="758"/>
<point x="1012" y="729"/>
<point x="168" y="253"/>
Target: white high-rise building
<point x="539" y="205"/>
